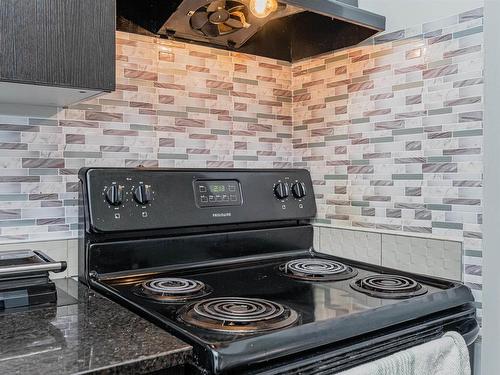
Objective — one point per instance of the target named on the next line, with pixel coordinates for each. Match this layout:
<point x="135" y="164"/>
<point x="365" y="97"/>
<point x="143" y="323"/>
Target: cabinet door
<point x="66" y="43"/>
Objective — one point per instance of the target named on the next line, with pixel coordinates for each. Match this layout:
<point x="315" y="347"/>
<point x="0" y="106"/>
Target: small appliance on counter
<point x="24" y="279"/>
<point x="224" y="259"/>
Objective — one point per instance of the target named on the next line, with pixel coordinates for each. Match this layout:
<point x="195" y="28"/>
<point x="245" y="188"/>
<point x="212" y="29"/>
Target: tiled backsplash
<point x="176" y="105"/>
<point x="391" y="131"/>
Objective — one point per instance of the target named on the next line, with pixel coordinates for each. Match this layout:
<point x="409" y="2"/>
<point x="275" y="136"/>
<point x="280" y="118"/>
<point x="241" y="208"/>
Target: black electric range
<point x="225" y="260"/>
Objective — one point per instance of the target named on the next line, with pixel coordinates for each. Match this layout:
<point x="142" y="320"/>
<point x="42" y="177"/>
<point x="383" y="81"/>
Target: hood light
<point x="263" y="8"/>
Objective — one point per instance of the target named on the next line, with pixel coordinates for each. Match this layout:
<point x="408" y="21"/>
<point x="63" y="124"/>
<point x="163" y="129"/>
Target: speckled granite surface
<point x="89" y="336"/>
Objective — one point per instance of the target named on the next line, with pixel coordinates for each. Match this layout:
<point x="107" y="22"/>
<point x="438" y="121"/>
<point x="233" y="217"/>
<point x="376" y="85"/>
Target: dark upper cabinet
<point x="56" y="52"/>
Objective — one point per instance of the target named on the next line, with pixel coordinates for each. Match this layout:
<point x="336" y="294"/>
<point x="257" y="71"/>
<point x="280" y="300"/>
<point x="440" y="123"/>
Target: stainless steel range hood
<point x="294" y="30"/>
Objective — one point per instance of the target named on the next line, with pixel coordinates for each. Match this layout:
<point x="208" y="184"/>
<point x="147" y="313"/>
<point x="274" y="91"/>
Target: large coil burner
<point x="238" y="315"/>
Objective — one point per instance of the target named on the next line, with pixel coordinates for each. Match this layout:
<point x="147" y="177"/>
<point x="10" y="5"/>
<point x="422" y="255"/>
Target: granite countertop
<point x="84" y="334"/>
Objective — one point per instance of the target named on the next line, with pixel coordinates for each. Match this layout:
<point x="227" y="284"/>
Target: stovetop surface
<point x="314" y="301"/>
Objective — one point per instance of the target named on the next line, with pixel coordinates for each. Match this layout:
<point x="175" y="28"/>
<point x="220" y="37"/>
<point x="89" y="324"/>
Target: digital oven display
<point x="217" y="193"/>
<point x="216" y="188"/>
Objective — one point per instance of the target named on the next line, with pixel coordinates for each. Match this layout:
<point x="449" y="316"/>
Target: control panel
<point x="122" y="199"/>
<point x="210" y="193"/>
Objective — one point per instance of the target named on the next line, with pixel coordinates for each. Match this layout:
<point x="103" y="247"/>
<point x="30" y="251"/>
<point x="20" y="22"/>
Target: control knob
<point x="142" y="194"/>
<point x="299" y="190"/>
<point x="281" y="190"/>
<point x="114" y="195"/>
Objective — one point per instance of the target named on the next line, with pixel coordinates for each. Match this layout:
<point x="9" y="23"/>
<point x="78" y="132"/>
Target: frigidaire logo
<point x="221" y="214"/>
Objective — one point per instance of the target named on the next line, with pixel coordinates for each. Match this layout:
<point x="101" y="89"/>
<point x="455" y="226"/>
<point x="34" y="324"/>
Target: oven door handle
<point x="468" y="328"/>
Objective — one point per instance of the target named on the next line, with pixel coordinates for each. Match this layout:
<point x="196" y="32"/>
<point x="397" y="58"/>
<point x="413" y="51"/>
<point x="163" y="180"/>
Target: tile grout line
<point x="381" y="249"/>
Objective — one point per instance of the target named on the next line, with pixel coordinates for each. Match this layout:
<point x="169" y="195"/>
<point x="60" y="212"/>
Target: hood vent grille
<point x="220" y="18"/>
<point x="296" y="29"/>
<point x="226" y="23"/>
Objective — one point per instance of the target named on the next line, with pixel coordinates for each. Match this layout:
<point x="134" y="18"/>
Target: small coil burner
<point x="389" y="286"/>
<point x="238" y="315"/>
<point x="171" y="289"/>
<point x="317" y="270"/>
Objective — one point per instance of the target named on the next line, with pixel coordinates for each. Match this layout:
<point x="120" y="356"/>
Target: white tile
<point x="357" y="245"/>
<point x="72" y="257"/>
<point x="316" y="240"/>
<point x="425" y="256"/>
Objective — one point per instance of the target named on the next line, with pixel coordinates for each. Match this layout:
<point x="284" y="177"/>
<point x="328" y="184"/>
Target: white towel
<point x="447" y="355"/>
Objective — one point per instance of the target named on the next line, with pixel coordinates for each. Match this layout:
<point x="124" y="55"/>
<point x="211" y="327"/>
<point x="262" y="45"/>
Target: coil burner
<point x="314" y="269"/>
<point x="389" y="286"/>
<point x="171" y="289"/>
<point x="238" y="315"/>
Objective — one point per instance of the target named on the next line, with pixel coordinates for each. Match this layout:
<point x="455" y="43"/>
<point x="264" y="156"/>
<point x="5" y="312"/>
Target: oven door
<point x="354" y="352"/>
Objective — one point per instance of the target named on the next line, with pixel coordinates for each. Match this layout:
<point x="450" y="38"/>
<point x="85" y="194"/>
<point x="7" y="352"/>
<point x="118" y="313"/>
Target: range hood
<point x="288" y="30"/>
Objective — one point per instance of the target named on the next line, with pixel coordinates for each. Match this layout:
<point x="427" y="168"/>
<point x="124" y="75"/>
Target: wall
<point x="392" y="134"/>
<point x="491" y="331"/>
<point x="176" y="105"/>
<point x="403" y="13"/>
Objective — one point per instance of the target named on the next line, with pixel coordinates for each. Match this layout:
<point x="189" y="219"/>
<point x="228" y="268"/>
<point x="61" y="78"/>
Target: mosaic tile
<point x="405" y="86"/>
<point x="159" y="116"/>
<point x="389" y="37"/>
<point x="470" y="15"/>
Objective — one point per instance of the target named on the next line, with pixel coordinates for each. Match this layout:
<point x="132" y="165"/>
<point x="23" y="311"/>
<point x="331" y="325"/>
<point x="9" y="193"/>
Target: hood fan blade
<point x="217" y="4"/>
<point x="224" y="29"/>
<point x="198" y="20"/>
<point x="240" y="16"/>
<point x="210" y="30"/>
<point x="219" y="16"/>
<point x="234" y="23"/>
<point x="237" y="8"/>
